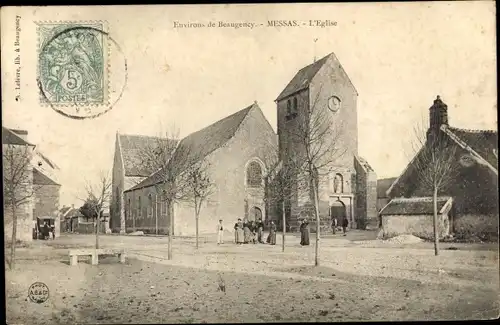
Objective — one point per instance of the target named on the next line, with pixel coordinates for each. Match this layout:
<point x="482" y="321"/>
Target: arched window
<point x="288" y="108"/>
<point x="295" y="105"/>
<point x="139" y="208"/>
<point x="254" y="175"/>
<point x="150" y="205"/>
<point x="338" y="184"/>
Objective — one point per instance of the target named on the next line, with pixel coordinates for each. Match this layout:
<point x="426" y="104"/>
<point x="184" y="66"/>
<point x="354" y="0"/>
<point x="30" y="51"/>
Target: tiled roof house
<point x="45" y="201"/>
<point x="475" y="188"/>
<point x="128" y="170"/>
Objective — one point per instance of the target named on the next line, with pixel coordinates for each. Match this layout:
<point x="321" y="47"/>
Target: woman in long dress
<point x="260" y="230"/>
<point x="239" y="232"/>
<point x="247" y="233"/>
<point x="272" y="234"/>
<point x="304" y="233"/>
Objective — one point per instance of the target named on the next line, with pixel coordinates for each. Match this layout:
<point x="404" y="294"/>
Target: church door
<point x="338" y="211"/>
<point x="255" y="214"/>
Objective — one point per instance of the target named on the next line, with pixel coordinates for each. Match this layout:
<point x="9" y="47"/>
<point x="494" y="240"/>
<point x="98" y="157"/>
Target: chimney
<point x="23" y="134"/>
<point x="438" y="114"/>
<point x="72" y="206"/>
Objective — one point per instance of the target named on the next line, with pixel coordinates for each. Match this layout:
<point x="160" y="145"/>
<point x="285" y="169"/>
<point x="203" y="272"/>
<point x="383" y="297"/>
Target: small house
<point x="415" y="215"/>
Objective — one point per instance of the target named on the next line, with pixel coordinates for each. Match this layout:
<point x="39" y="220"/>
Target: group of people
<point x="246" y="232"/>
<point x="46" y="231"/>
<point x="345" y="223"/>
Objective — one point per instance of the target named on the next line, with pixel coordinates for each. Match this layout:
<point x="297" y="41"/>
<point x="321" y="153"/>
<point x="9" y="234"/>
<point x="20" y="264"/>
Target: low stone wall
<point x="417" y="225"/>
<point x="472" y="226"/>
<point x="85" y="228"/>
<point x="149" y="230"/>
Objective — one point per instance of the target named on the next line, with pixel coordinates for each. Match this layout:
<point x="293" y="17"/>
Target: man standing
<point x="220" y="233"/>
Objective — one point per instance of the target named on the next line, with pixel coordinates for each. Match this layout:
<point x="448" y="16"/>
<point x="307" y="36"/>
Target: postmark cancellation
<point x="73" y="66"/>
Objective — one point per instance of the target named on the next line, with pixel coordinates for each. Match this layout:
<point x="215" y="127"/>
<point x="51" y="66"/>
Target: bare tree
<point x="98" y="197"/>
<point x="199" y="188"/>
<point x="278" y="184"/>
<point x="18" y="188"/>
<point x="170" y="163"/>
<point x="435" y="163"/>
<point x="316" y="138"/>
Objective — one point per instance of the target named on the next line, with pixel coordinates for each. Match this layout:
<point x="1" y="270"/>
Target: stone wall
<point x="417" y="225"/>
<point x="366" y="197"/>
<point x="475" y="226"/>
<point x="253" y="141"/>
<point x="152" y="215"/>
<point x="47" y="204"/>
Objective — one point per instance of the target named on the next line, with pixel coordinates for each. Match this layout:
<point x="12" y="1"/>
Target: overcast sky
<point x="399" y="57"/>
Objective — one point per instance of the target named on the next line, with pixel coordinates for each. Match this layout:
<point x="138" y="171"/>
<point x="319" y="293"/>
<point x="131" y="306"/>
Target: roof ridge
<point x="473" y="130"/>
<point x="142" y="136"/>
<point x="17" y="136"/>
<point x="419" y="199"/>
<point x="222" y="119"/>
<point x="145" y="181"/>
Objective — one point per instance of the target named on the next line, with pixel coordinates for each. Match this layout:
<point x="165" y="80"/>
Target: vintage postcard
<point x="245" y="163"/>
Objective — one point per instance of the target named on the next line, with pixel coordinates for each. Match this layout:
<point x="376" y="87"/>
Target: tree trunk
<point x="156" y="214"/>
<point x="171" y="229"/>
<point x="284" y="228"/>
<point x="197" y="219"/>
<point x="14" y="235"/>
<point x="318" y="224"/>
<point x="97" y="231"/>
<point x="435" y="223"/>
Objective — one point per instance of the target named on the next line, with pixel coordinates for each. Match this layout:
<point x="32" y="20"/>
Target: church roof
<point x="201" y="143"/>
<point x="131" y="148"/>
<point x="415" y="206"/>
<point x="304" y="76"/>
<point x="10" y="137"/>
<point x="41" y="179"/>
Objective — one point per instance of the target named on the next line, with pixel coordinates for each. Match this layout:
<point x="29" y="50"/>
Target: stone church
<point x="242" y="150"/>
<point x="347" y="188"/>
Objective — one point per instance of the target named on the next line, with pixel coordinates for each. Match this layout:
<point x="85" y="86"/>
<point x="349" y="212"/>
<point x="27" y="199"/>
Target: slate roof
<point x="203" y="142"/>
<point x="131" y="148"/>
<point x="47" y="160"/>
<point x="481" y="141"/>
<point x="41" y="179"/>
<point x="413" y="206"/>
<point x="303" y="78"/>
<point x="9" y="137"/>
<point x="131" y="181"/>
<point x="383" y="185"/>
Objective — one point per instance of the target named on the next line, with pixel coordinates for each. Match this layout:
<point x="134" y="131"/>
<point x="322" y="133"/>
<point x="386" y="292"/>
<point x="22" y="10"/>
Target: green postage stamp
<point x="72" y="63"/>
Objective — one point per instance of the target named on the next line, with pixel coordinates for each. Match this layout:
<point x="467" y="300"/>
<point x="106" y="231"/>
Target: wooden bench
<point x="94" y="253"/>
